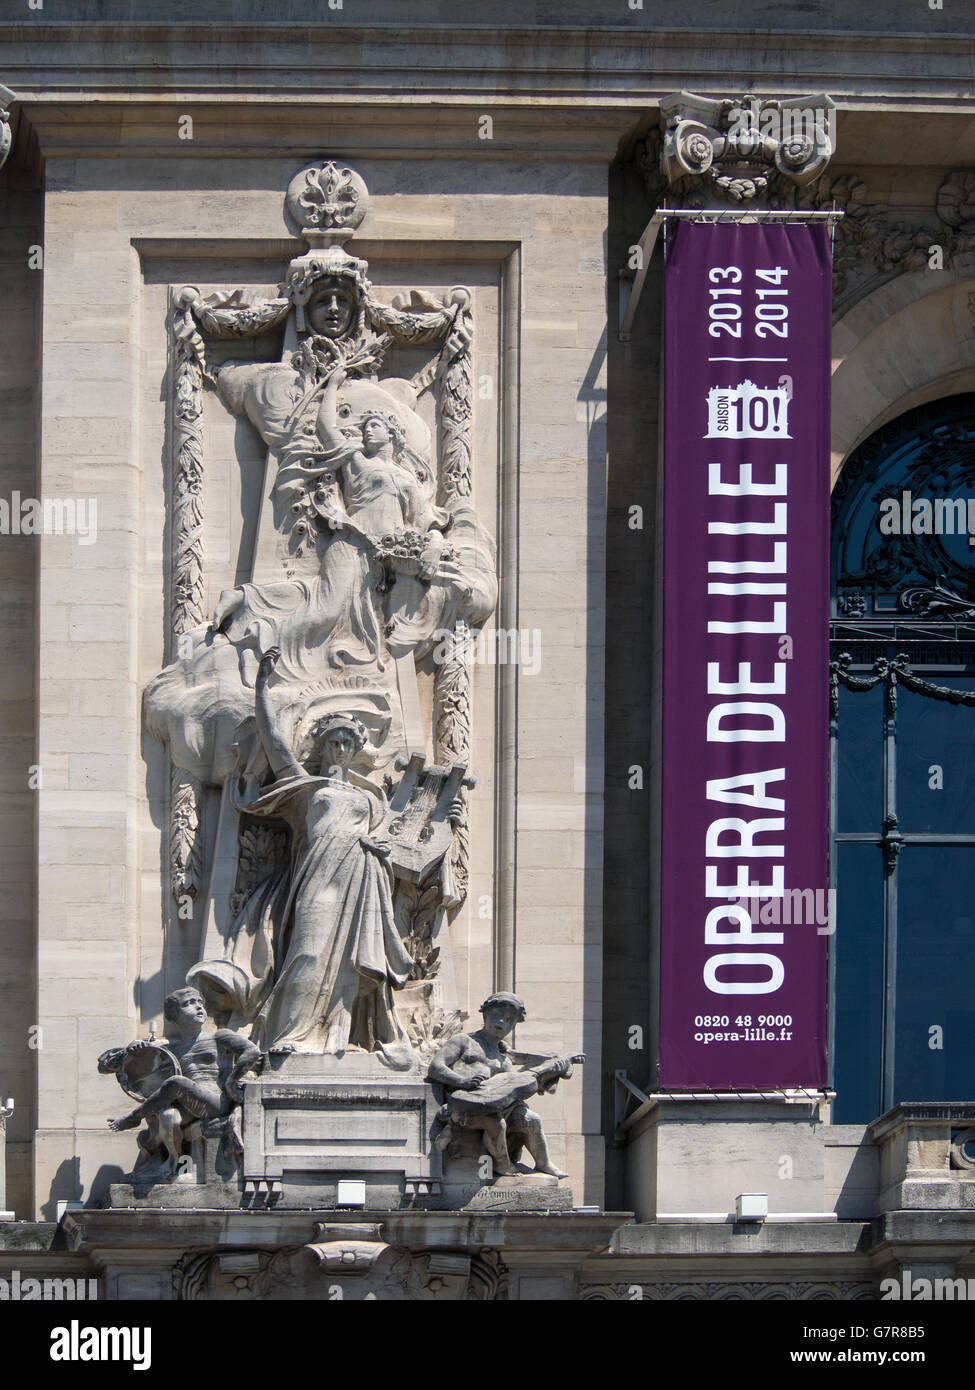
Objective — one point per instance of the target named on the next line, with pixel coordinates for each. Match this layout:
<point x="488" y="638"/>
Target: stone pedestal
<point x="926" y="1162"/>
<point x="175" y="1196"/>
<point x="347" y="1132"/>
<point x="691" y="1157"/>
<point x="310" y="1122"/>
<point x="522" y="1192"/>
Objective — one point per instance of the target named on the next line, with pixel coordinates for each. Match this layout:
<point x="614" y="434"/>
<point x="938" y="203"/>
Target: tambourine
<point x="144" y="1069"/>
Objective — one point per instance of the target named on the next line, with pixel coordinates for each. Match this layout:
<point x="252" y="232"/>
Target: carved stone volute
<point x="727" y="151"/>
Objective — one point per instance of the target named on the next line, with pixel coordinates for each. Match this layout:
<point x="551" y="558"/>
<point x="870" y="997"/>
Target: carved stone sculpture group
<point x="293" y="707"/>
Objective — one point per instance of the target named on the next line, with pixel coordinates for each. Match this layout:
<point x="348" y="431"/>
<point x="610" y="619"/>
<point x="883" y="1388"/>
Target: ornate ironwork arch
<point x="901" y="557"/>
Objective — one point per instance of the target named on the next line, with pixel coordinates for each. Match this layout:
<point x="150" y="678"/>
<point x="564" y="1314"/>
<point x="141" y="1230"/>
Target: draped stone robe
<point x="340" y="951"/>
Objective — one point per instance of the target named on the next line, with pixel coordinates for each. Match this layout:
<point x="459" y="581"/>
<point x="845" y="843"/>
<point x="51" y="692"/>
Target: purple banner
<point x="745" y="911"/>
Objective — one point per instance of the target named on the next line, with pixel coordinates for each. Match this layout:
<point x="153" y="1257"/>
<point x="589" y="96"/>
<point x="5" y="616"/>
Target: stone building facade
<point x="512" y="162"/>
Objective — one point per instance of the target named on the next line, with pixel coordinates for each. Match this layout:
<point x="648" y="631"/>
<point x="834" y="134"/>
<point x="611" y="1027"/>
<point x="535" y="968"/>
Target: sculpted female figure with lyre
<point x="341" y="954"/>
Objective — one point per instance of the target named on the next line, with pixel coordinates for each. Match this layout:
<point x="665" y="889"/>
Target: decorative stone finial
<point x="735" y="149"/>
<point x="328" y="201"/>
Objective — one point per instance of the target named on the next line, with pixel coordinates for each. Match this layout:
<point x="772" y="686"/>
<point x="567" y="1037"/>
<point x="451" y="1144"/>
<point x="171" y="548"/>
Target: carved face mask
<point x="332" y="309"/>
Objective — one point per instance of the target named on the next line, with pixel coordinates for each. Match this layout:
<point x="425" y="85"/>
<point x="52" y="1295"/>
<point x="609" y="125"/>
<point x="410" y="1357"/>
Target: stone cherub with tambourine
<point x="189" y="1078"/>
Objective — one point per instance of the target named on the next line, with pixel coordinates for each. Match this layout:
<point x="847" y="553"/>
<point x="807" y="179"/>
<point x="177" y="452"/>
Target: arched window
<point x="902" y="959"/>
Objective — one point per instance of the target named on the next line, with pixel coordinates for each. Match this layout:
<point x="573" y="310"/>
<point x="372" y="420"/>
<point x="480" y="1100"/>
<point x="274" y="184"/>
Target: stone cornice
<point x="419" y="128"/>
<point x="146" y="1229"/>
<point x="374" y="129"/>
<point x="625" y="63"/>
<point x="922" y="1112"/>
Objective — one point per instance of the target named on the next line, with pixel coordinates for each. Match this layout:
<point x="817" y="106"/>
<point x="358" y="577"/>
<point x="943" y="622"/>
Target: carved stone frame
<point x="185" y="596"/>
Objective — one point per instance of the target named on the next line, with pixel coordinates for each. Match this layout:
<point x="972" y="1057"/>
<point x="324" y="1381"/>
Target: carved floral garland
<point x="187" y="585"/>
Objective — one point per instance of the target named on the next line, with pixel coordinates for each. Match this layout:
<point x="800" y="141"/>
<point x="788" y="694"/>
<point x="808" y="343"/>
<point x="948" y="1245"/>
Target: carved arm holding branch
<point x="276" y="745"/>
<point x="328" y="420"/>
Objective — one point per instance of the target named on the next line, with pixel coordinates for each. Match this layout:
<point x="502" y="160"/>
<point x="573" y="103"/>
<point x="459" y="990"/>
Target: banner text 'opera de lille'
<point x="745" y="721"/>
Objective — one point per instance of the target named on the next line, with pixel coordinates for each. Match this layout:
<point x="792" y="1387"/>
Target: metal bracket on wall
<point x="623" y="1092"/>
<point x="635" y="276"/>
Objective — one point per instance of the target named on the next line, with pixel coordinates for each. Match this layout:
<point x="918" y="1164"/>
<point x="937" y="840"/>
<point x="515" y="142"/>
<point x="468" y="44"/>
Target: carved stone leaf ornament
<point x="416" y="911"/>
<point x="187" y="585"/>
<point x="453" y="716"/>
<point x="956" y="202"/>
<point x="262" y="849"/>
<point x="868" y="239"/>
<point x="185" y="853"/>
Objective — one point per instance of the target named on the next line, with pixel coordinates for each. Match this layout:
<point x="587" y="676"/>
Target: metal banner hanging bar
<point x="628" y="302"/>
<point x="751" y="214"/>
